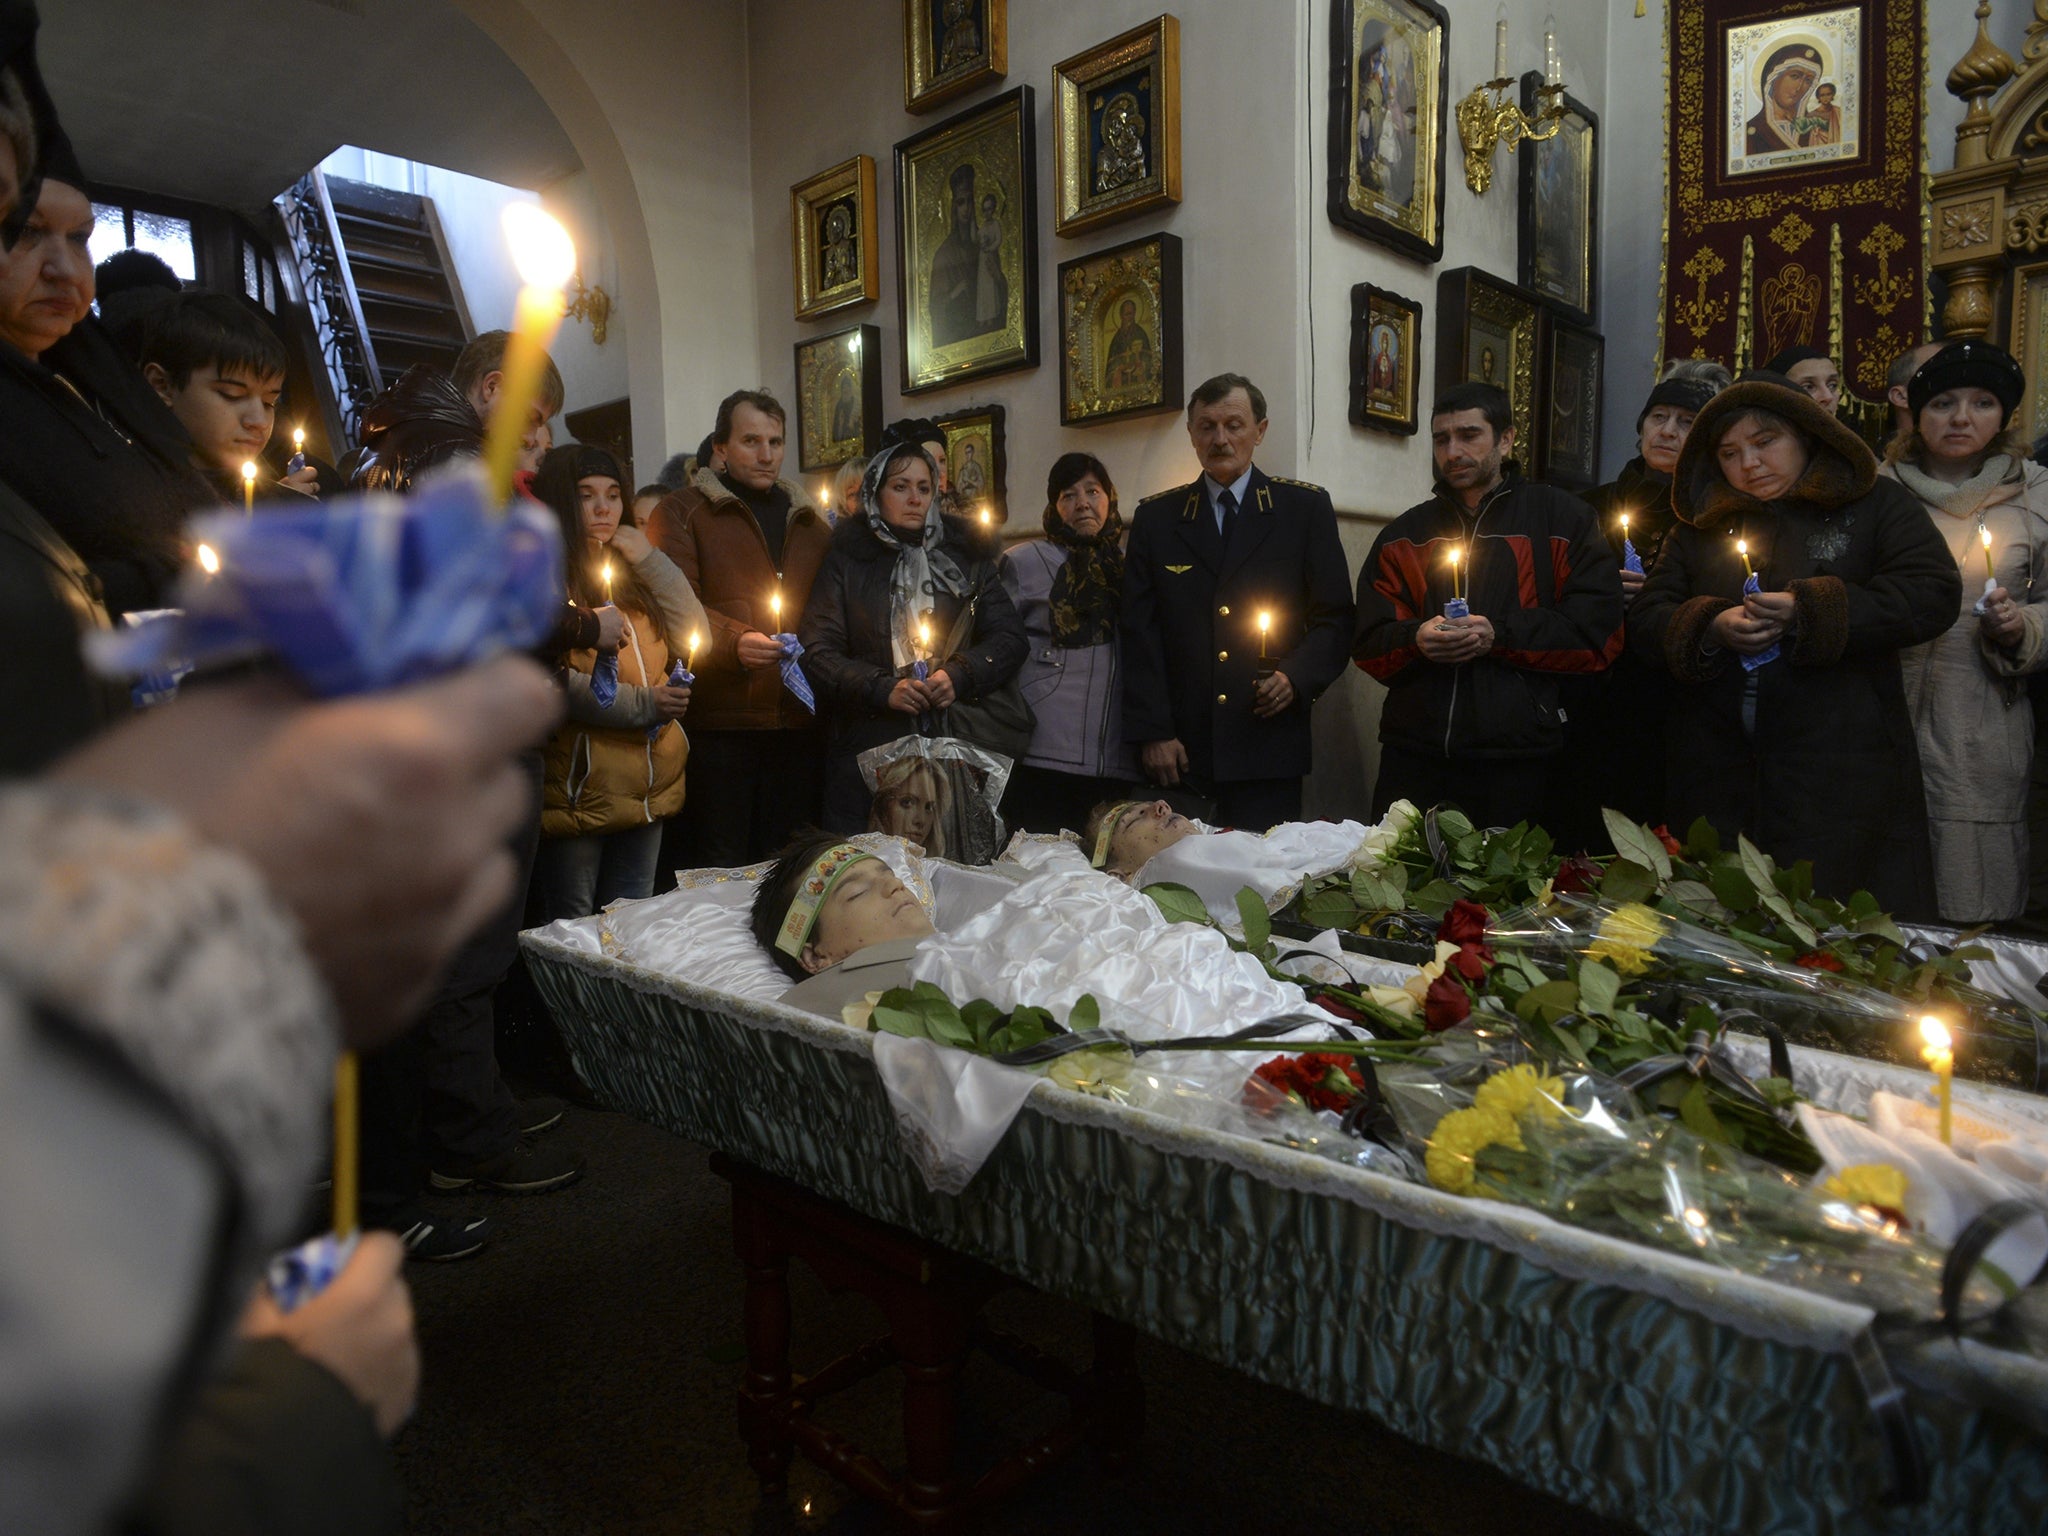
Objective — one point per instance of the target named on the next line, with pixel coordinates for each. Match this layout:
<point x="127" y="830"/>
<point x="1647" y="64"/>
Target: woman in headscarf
<point x="1068" y="588"/>
<point x="1789" y="721"/>
<point x="893" y="590"/>
<point x="614" y="768"/>
<point x="1971" y="712"/>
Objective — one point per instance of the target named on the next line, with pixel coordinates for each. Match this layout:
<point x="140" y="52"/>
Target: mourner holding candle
<point x="1472" y="714"/>
<point x="220" y="368"/>
<point x="1208" y="717"/>
<point x="1967" y="692"/>
<point x="744" y="536"/>
<point x="891" y="594"/>
<point x="1811" y="755"/>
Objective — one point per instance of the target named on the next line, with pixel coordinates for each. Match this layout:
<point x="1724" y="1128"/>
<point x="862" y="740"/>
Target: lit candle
<point x="607" y="583"/>
<point x="690" y="652"/>
<point x="775" y="608"/>
<point x="1742" y="549"/>
<point x="825" y="499"/>
<point x="545" y="257"/>
<point x="209" y="562"/>
<point x="924" y="639"/>
<point x="1265" y="625"/>
<point x="988" y="515"/>
<point x="346" y="1120"/>
<point x="298" y="461"/>
<point x="1456" y="555"/>
<point x="1500" y="45"/>
<point x="1939" y="1053"/>
<point x="249" y="487"/>
<point x="1985" y="534"/>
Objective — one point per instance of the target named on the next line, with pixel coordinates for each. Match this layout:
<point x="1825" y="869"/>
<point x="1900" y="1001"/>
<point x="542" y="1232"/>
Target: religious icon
<point x="975" y="460"/>
<point x="832" y="218"/>
<point x="839" y="397"/>
<point x="1120" y="332"/>
<point x="1794" y="90"/>
<point x="1569" y="454"/>
<point x="967" y="245"/>
<point x="1559" y="191"/>
<point x="1117" y="127"/>
<point x="1486" y="332"/>
<point x="951" y="47"/>
<point x="1384" y="328"/>
<point x="1387" y="122"/>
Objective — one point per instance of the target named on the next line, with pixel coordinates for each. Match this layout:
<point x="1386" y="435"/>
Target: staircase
<point x="379" y="285"/>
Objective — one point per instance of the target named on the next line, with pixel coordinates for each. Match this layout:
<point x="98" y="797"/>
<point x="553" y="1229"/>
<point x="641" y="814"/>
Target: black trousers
<point x="1047" y="800"/>
<point x="436" y="1090"/>
<point x="1493" y="792"/>
<point x="745" y="793"/>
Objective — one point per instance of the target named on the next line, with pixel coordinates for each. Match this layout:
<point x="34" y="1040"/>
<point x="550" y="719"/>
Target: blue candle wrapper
<point x="1990" y="586"/>
<point x="362" y="594"/>
<point x="297" y="463"/>
<point x="1457" y="608"/>
<point x="604" y="679"/>
<point x="793" y="677"/>
<point x="299" y="1274"/>
<point x="679" y="676"/>
<point x="1765" y="657"/>
<point x="1630" y="560"/>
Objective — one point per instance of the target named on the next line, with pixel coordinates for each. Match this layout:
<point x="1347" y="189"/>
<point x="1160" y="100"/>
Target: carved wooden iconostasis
<point x="1990" y="212"/>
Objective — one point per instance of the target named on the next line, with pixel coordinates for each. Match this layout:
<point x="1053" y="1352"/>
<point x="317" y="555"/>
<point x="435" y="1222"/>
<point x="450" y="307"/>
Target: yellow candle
<point x="988" y="515"/>
<point x="209" y="562"/>
<point x="1624" y="526"/>
<point x="924" y="638"/>
<point x="1265" y="625"/>
<point x="825" y="499"/>
<point x="1742" y="549"/>
<point x="346" y="1120"/>
<point x="298" y="439"/>
<point x="775" y="609"/>
<point x="690" y="656"/>
<point x="1456" y="555"/>
<point x="249" y="487"/>
<point x="607" y="583"/>
<point x="1939" y="1053"/>
<point x="1985" y="534"/>
<point x="545" y="257"/>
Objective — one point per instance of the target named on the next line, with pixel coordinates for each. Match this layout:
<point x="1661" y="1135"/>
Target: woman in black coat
<point x="1812" y="753"/>
<point x="894" y="567"/>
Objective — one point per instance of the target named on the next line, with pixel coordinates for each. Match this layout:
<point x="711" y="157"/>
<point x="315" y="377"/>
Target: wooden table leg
<point x="929" y="1329"/>
<point x="766" y="1318"/>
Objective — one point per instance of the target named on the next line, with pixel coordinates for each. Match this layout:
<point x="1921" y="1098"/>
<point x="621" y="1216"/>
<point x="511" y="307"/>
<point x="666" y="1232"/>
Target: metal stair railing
<point x="346" y="350"/>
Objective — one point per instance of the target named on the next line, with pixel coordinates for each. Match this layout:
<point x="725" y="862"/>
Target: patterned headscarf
<point x="923" y="570"/>
<point x="1087" y="593"/>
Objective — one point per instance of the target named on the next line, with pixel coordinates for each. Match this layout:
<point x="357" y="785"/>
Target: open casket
<point x="1637" y="1384"/>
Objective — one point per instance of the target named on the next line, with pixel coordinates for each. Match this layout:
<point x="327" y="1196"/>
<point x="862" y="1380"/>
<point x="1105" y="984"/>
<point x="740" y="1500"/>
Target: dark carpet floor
<point x="580" y="1377"/>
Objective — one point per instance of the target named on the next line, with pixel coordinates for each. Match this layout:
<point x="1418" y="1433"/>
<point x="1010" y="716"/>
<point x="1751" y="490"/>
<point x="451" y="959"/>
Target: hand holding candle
<point x="1939" y="1053"/>
<point x="545" y="257"/>
<point x="1457" y="607"/>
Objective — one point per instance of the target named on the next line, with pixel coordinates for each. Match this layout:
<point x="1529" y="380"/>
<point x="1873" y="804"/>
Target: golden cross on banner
<point x="1887" y="290"/>
<point x="1699" y="313"/>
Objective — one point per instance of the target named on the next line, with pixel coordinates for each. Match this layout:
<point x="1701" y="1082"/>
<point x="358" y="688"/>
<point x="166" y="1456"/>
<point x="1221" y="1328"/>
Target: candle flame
<point x="209" y="562"/>
<point x="1742" y="546"/>
<point x="298" y="439"/>
<point x="1624" y="525"/>
<point x="1455" y="552"/>
<point x="1265" y="621"/>
<point x="696" y="639"/>
<point x="541" y="248"/>
<point x="1985" y="535"/>
<point x="924" y="633"/>
<point x="1936" y="1034"/>
<point x="248" y="472"/>
<point x="607" y="578"/>
<point x="987" y="517"/>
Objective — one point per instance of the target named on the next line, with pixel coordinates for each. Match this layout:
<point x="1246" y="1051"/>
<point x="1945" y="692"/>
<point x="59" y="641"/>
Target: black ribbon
<point x="1067" y="1044"/>
<point x="1706" y="1061"/>
<point x="1970" y="1247"/>
<point x="1887" y="1401"/>
<point x="1370" y="1117"/>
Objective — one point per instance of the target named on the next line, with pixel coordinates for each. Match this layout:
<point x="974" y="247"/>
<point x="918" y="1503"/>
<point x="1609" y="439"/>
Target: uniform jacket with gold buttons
<point x="1191" y="641"/>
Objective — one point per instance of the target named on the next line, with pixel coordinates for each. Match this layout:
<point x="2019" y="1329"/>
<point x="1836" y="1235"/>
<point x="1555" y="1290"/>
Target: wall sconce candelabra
<point x="591" y="303"/>
<point x="1488" y="117"/>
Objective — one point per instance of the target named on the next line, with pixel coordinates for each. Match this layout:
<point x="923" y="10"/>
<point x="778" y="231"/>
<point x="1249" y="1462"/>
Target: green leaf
<point x="1087" y="1014"/>
<point x="1732" y="888"/>
<point x="1180" y="904"/>
<point x="1434" y="899"/>
<point x="1549" y="1002"/>
<point x="1633" y="840"/>
<point x="1699" y="1116"/>
<point x="1694" y="896"/>
<point x="1598" y="988"/>
<point x="1701" y="840"/>
<point x="1775" y="903"/>
<point x="1626" y="880"/>
<point x="894" y="1021"/>
<point x="1451" y="825"/>
<point x="1383" y="892"/>
<point x="1757" y="865"/>
<point x="1331" y="907"/>
<point x="1251" y="912"/>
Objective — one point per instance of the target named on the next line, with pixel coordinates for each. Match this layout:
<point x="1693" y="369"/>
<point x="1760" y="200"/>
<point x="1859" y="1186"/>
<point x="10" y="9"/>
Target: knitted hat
<point x="1969" y="365"/>
<point x="1690" y="395"/>
<point x="1792" y="357"/>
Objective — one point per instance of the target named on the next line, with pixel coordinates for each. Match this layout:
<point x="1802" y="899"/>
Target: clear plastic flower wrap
<point x="360" y="594"/>
<point x="940" y="793"/>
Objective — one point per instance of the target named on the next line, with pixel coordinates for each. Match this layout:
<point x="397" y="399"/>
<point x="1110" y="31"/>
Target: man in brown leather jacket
<point x="746" y="538"/>
<point x="428" y="417"/>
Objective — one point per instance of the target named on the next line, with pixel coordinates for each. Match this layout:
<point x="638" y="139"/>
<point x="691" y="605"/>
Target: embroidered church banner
<point x="1795" y="217"/>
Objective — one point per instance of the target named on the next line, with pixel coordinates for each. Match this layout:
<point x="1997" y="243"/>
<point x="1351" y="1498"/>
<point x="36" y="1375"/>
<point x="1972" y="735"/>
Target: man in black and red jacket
<point x="1472" y="712"/>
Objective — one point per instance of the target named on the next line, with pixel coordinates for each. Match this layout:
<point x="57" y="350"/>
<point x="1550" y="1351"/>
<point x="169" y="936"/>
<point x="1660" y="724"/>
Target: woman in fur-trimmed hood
<point x="1809" y="751"/>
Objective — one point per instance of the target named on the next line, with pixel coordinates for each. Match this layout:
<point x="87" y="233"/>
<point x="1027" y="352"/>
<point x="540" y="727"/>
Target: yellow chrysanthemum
<point x="1458" y="1140"/>
<point x="1627" y="935"/>
<point x="1522" y="1090"/>
<point x="1878" y="1184"/>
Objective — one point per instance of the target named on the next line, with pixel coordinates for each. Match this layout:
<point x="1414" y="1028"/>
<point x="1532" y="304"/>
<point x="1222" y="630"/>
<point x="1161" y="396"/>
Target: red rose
<point x="1671" y="844"/>
<point x="1470" y="962"/>
<point x="1819" y="960"/>
<point x="1464" y="924"/>
<point x="1575" y="875"/>
<point x="1445" y="1003"/>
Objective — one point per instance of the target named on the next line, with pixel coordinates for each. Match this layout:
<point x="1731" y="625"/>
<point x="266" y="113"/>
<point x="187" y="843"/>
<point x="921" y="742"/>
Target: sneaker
<point x="526" y="1170"/>
<point x="539" y="1113"/>
<point x="437" y="1239"/>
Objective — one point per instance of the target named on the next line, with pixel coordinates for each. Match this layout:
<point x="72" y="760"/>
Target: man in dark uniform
<point x="1213" y="701"/>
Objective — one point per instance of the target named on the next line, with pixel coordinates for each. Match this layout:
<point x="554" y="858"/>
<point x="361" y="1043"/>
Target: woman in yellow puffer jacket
<point x="614" y="771"/>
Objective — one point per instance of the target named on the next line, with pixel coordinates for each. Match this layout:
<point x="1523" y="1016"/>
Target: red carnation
<point x="1671" y="844"/>
<point x="1819" y="960"/>
<point x="1470" y="962"/>
<point x="1575" y="875"/>
<point x="1446" y="1003"/>
<point x="1464" y="924"/>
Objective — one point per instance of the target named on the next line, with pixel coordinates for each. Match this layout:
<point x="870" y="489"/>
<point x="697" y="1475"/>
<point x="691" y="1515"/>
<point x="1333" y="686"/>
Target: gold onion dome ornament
<point x="1977" y="77"/>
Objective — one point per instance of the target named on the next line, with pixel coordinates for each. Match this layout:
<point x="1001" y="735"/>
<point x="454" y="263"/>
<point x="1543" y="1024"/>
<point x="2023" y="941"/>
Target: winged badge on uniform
<point x="1180" y="570"/>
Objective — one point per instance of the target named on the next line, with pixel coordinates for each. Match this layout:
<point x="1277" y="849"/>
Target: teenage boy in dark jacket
<point x="1471" y="715"/>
